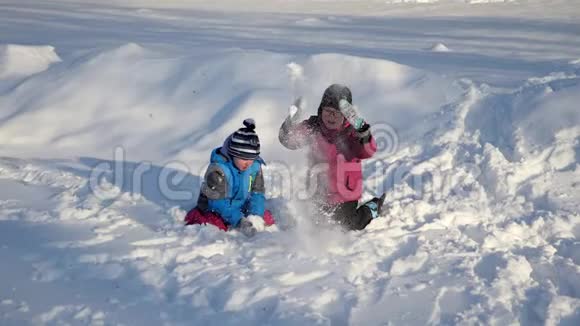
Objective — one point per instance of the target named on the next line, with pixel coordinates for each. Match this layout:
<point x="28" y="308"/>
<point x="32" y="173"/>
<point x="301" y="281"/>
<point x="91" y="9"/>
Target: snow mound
<point x="542" y="113"/>
<point x="163" y="106"/>
<point x="480" y="223"/>
<point x="25" y="60"/>
<point x="439" y="47"/>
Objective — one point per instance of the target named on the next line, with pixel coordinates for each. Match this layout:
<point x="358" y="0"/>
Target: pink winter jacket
<point x="334" y="157"/>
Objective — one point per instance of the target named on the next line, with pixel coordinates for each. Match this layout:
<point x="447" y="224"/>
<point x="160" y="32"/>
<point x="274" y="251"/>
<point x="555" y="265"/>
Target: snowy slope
<point x="108" y="113"/>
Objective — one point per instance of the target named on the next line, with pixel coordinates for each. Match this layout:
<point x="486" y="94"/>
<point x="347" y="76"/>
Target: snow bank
<point x="164" y="106"/>
<point x="549" y="112"/>
<point x="480" y="192"/>
<point x="481" y="223"/>
<point x="25" y="60"/>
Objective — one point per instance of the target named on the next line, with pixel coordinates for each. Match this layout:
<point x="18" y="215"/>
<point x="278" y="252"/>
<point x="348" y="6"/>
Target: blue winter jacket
<point x="231" y="193"/>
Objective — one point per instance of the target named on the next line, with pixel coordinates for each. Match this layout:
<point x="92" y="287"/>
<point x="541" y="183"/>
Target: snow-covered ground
<point x="109" y="110"/>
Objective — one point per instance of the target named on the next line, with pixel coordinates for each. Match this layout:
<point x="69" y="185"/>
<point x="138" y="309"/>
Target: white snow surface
<point x="439" y="47"/>
<point x="21" y="60"/>
<point x="109" y="111"/>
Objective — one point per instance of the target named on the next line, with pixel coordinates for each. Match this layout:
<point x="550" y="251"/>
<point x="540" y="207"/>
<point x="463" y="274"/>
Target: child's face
<point x="242" y="164"/>
<point x="332" y="118"/>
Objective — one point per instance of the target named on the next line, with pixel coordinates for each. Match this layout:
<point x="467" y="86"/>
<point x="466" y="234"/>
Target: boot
<point x="376" y="205"/>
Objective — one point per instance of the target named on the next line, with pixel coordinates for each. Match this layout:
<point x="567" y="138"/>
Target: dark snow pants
<point x="347" y="214"/>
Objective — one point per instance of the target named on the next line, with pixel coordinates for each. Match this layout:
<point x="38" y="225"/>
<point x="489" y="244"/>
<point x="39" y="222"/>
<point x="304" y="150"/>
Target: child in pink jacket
<point x="338" y="140"/>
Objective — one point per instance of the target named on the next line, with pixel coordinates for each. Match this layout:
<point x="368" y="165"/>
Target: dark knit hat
<point x="332" y="95"/>
<point x="244" y="142"/>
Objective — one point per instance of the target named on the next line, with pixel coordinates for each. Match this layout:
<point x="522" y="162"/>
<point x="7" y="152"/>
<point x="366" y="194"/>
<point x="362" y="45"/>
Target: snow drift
<point x="22" y="60"/>
<point x="163" y="106"/>
<point x="102" y="148"/>
<point x="482" y="202"/>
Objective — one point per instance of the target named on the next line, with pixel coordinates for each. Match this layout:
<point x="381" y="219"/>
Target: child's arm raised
<point x="294" y="134"/>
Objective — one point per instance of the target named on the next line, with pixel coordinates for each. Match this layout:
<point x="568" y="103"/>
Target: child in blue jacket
<point x="233" y="186"/>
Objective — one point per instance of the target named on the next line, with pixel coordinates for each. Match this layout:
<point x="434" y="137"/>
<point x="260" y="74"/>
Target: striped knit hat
<point x="244" y="142"/>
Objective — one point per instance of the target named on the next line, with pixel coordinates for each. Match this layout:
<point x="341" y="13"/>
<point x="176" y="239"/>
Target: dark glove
<point x="247" y="228"/>
<point x="364" y="133"/>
